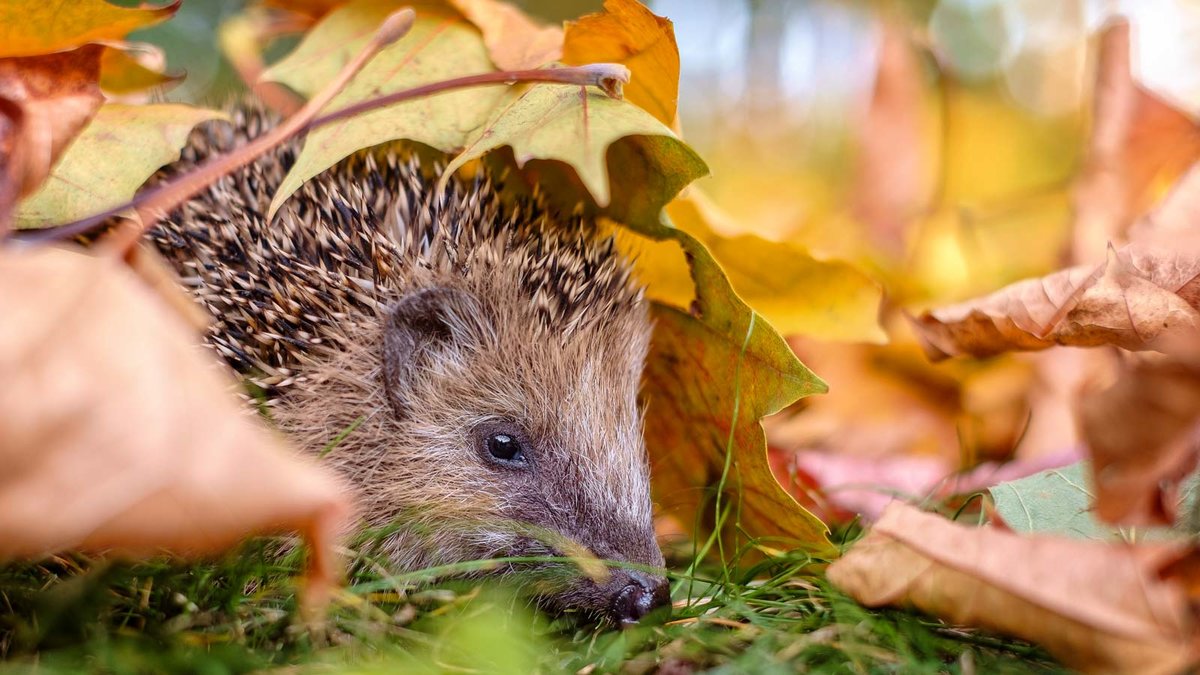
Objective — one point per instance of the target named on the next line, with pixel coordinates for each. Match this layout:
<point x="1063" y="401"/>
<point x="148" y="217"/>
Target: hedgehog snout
<point x="637" y="594"/>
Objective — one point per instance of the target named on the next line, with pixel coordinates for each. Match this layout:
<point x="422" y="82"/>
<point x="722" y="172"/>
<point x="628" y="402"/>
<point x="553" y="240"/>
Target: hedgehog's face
<point x="520" y="442"/>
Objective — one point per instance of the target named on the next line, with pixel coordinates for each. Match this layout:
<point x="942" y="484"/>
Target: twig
<point x="608" y="76"/>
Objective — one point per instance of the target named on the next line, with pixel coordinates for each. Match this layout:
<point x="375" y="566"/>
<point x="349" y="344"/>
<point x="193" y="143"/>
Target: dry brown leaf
<point x="514" y="41"/>
<point x="1142" y="435"/>
<point x="1098" y="607"/>
<point x="117" y="431"/>
<point x="58" y="94"/>
<point x="1136" y="299"/>
<point x="628" y="33"/>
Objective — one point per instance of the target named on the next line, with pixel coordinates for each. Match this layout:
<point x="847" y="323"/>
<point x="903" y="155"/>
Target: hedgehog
<point x="470" y="363"/>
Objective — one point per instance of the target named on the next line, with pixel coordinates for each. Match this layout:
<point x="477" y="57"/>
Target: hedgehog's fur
<point x="546" y="330"/>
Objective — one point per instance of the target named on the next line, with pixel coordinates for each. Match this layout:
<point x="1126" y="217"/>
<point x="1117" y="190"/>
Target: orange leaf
<point x="31" y="27"/>
<point x="118" y="432"/>
<point x="1098" y="607"/>
<point x="514" y="41"/>
<point x="628" y="33"/>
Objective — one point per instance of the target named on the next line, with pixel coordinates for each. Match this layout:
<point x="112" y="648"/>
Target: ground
<point x="239" y="614"/>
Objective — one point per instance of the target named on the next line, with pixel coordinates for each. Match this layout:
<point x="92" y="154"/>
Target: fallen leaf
<point x="1102" y="192"/>
<point x="1143" y="435"/>
<point x="571" y="124"/>
<point x="884" y="401"/>
<point x="58" y="93"/>
<point x="440" y="45"/>
<point x="797" y="293"/>
<point x="628" y="33"/>
<point x="119" y="432"/>
<point x="32" y="27"/>
<point x="1136" y="299"/>
<point x="514" y="41"/>
<point x="710" y="377"/>
<point x="122" y="147"/>
<point x="1098" y="607"/>
<point x="1059" y="501"/>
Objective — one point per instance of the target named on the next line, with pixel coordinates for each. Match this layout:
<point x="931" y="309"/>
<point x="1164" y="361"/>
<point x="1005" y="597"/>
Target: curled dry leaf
<point x="117" y="431"/>
<point x="58" y="94"/>
<point x="1098" y="607"/>
<point x="628" y="33"/>
<point x="514" y="41"/>
<point x="1138" y="298"/>
<point x="1142" y="433"/>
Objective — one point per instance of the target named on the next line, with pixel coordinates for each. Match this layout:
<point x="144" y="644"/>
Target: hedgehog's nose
<point x="641" y="595"/>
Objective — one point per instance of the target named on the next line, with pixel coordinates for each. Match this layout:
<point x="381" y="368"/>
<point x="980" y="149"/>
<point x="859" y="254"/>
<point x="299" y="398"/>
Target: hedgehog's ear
<point x="423" y="327"/>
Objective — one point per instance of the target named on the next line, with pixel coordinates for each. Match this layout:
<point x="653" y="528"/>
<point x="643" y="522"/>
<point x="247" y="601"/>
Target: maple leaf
<point x="628" y="33"/>
<point x="1137" y="143"/>
<point x="576" y="125"/>
<point x="701" y="434"/>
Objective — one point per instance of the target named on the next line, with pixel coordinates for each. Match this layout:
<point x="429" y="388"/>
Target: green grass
<point x="239" y="614"/>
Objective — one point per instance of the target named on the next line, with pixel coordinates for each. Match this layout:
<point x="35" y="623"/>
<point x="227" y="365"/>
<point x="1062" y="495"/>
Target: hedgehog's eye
<point x="506" y="448"/>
